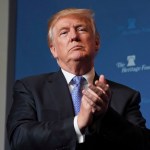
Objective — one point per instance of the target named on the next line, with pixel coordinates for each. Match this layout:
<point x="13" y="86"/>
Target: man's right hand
<point x="95" y="101"/>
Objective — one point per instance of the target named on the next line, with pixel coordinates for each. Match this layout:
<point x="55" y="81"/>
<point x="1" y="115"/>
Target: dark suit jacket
<point x="41" y="118"/>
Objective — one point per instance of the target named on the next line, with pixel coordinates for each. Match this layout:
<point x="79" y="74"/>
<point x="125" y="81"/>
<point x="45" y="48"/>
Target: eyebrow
<point x="76" y="26"/>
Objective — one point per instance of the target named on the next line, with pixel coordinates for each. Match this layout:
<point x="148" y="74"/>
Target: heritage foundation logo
<point x="131" y="60"/>
<point x="130" y="65"/>
<point x="132" y="28"/>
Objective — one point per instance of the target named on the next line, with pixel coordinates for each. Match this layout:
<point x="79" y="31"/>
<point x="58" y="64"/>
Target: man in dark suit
<point x="43" y="116"/>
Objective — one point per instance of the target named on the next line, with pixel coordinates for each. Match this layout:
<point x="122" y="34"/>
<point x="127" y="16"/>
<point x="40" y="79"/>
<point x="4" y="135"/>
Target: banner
<point x="124" y="27"/>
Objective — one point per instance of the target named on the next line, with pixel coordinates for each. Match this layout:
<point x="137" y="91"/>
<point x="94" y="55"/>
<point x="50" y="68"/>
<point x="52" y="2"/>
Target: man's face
<point x="73" y="41"/>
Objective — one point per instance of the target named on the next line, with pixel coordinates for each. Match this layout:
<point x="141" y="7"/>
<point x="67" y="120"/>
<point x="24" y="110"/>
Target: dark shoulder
<point x="121" y="87"/>
<point x="44" y="76"/>
<point x="37" y="80"/>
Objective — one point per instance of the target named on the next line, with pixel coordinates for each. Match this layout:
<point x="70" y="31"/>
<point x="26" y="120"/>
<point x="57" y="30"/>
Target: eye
<point x="81" y="28"/>
<point x="63" y="32"/>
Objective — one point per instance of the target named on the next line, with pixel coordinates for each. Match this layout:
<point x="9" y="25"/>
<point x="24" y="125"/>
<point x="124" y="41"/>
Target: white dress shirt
<point x="89" y="79"/>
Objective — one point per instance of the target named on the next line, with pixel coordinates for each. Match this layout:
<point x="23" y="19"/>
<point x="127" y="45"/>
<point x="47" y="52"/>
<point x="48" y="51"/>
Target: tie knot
<point x="78" y="80"/>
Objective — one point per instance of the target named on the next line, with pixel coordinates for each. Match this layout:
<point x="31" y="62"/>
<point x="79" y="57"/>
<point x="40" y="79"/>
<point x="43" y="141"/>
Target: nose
<point x="74" y="35"/>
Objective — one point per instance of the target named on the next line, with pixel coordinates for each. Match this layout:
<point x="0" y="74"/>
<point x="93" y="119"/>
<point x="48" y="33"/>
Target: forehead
<point x="71" y="20"/>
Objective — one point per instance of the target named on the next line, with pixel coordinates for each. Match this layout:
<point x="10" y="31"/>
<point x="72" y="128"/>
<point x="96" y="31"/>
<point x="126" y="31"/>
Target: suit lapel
<point x="61" y="93"/>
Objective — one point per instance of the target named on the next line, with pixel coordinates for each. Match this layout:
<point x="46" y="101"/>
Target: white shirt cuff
<point x="80" y="136"/>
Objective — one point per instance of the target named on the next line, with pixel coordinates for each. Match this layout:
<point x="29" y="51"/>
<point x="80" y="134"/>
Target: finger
<point x="91" y="96"/>
<point x="95" y="106"/>
<point x="96" y="98"/>
<point x="96" y="90"/>
<point x="89" y="102"/>
<point x="92" y="91"/>
<point x="101" y="82"/>
<point x="100" y="97"/>
<point x="102" y="79"/>
<point x="93" y="101"/>
<point x="100" y="93"/>
<point x="104" y="87"/>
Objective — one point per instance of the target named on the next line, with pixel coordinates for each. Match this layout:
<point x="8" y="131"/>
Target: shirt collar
<point x="88" y="76"/>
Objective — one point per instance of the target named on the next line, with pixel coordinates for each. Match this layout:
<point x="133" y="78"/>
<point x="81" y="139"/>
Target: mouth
<point x="77" y="47"/>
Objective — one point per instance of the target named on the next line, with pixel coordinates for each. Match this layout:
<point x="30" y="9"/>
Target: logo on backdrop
<point x="133" y="27"/>
<point x="131" y="60"/>
<point x="131" y="23"/>
<point x="130" y="65"/>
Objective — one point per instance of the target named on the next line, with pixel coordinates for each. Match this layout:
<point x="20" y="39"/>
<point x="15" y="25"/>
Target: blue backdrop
<point x="124" y="27"/>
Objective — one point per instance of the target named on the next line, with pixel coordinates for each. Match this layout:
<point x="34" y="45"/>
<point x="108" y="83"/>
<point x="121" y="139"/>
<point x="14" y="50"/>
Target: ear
<point x="53" y="50"/>
<point x="97" y="43"/>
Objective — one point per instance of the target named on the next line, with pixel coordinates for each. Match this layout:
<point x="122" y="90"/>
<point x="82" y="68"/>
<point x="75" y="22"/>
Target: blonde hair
<point x="87" y="13"/>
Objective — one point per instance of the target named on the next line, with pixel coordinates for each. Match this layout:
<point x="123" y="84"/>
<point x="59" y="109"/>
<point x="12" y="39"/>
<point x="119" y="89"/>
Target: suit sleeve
<point x="123" y="126"/>
<point x="129" y="127"/>
<point x="126" y="102"/>
<point x="116" y="129"/>
<point x="132" y="110"/>
<point x="26" y="132"/>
